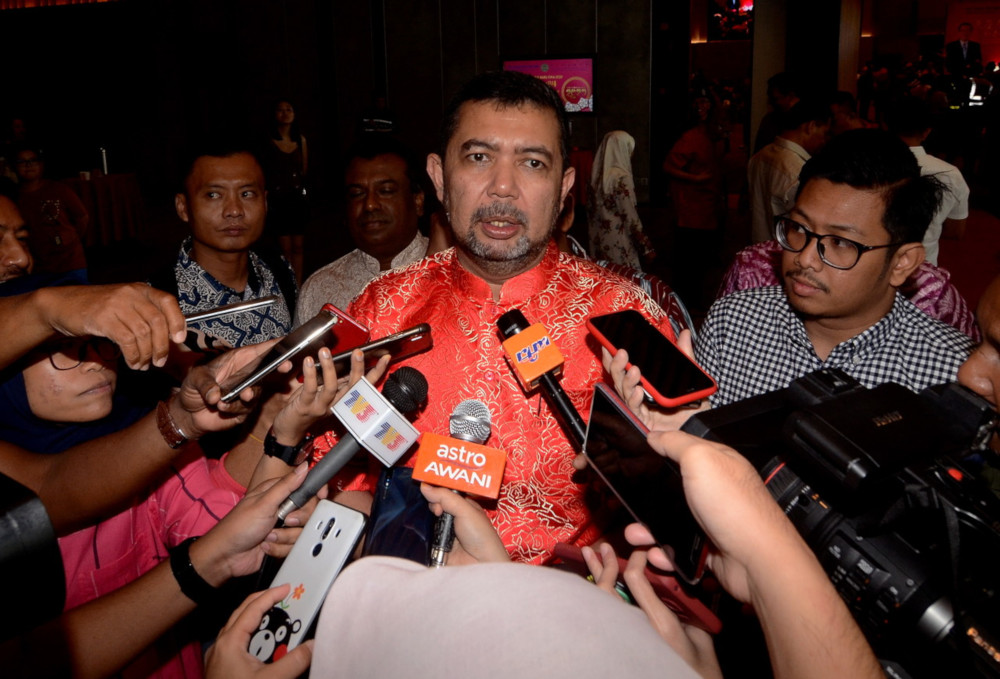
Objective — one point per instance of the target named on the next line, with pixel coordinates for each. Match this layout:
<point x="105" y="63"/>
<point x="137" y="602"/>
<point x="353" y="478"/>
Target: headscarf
<point x="613" y="162"/>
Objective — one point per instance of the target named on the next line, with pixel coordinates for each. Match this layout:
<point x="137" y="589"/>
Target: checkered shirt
<point x="753" y="342"/>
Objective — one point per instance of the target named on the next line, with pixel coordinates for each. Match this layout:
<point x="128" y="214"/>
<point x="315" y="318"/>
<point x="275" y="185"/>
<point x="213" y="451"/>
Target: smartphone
<point x="307" y="338"/>
<point x="688" y="609"/>
<point x="669" y="377"/>
<point x="317" y="557"/>
<point x="648" y="484"/>
<point x="400" y="345"/>
<point x="235" y="308"/>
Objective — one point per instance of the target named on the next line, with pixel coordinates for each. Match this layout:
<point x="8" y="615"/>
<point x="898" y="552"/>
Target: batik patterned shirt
<point x="198" y="290"/>
<point x="541" y="503"/>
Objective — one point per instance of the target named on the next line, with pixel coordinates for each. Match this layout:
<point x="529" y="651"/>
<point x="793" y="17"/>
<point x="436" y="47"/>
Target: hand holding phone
<point x="648" y="484"/>
<point x="307" y="338"/>
<point x="326" y="542"/>
<point x="669" y="376"/>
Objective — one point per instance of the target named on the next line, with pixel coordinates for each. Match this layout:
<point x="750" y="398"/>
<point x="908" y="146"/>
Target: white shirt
<point x="954" y="199"/>
<point x="773" y="177"/>
<point x="340" y="281"/>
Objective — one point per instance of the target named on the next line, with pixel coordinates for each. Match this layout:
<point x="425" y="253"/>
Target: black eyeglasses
<point x="28" y="161"/>
<point x="70" y="353"/>
<point x="836" y="251"/>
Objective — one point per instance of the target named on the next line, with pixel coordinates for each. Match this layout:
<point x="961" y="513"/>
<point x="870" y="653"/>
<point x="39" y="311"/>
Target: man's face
<point x="964" y="32"/>
<point x="28" y="166"/>
<point x="224" y="202"/>
<point x="981" y="371"/>
<point x="854" y="296"/>
<point x="15" y="260"/>
<point x="502" y="184"/>
<point x="382" y="209"/>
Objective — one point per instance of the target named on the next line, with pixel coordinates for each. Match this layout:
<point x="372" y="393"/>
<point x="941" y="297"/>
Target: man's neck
<point x="229" y="268"/>
<point x="30" y="186"/>
<point x="495" y="279"/>
<point x="826" y="333"/>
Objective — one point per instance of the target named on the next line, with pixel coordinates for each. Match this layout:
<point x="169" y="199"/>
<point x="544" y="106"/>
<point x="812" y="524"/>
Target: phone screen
<point x="648" y="484"/>
<point x="666" y="368"/>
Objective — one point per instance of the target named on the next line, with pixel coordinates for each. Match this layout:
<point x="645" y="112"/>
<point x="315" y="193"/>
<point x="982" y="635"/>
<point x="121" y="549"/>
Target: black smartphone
<point x="311" y="335"/>
<point x="669" y="376"/>
<point x="648" y="484"/>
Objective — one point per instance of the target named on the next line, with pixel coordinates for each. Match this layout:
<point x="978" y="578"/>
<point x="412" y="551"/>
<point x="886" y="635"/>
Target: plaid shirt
<point x="753" y="342"/>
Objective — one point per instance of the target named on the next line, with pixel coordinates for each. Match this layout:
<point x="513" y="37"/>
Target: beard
<point x="505" y="259"/>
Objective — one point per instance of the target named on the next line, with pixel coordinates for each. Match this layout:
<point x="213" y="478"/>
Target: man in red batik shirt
<point x="502" y="174"/>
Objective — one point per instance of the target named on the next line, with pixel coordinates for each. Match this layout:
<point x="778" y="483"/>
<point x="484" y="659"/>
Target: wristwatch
<point x="290" y="455"/>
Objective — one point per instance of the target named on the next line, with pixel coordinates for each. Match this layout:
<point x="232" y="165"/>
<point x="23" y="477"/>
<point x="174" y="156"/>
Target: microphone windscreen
<point x="470" y="421"/>
<point x="406" y="389"/>
<point x="512" y="323"/>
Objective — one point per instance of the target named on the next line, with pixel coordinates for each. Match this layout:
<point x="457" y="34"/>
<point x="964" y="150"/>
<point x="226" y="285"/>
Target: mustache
<point x="499" y="210"/>
<point x="805" y="276"/>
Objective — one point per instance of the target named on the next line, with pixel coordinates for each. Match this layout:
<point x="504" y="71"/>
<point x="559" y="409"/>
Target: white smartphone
<point x="326" y="542"/>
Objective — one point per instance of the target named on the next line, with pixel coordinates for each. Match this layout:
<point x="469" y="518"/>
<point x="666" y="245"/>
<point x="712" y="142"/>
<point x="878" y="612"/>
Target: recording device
<point x="669" y="376"/>
<point x="308" y="338"/>
<point x="399" y="346"/>
<point x="537" y="361"/>
<point x="374" y="422"/>
<point x="885" y="486"/>
<point x="648" y="484"/>
<point x="469" y="423"/>
<point x="317" y="557"/>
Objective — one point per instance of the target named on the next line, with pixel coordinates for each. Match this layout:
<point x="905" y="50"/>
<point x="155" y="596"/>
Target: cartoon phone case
<point x="317" y="557"/>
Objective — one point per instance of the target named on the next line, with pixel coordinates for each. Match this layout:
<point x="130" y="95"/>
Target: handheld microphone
<point x="537" y="361"/>
<point x="373" y="422"/>
<point x="470" y="421"/>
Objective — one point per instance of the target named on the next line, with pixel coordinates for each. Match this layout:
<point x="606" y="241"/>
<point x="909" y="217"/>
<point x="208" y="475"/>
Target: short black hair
<point x="373" y="144"/>
<point x="908" y="117"/>
<point x="964" y="23"/>
<point x="214" y="147"/>
<point x="506" y="89"/>
<point x="876" y="160"/>
<point x="807" y="110"/>
<point x="786" y="83"/>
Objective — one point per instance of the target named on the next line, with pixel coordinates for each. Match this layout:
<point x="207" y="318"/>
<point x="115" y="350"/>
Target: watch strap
<point x="171" y="433"/>
<point x="192" y="585"/>
<point x="290" y="455"/>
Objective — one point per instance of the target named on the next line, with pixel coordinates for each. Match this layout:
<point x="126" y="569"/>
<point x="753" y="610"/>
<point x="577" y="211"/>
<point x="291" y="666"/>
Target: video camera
<point x="886" y="487"/>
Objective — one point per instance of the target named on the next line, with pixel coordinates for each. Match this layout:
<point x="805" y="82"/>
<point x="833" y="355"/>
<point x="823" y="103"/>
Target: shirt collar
<point x="411" y="253"/>
<point x="515" y="291"/>
<point x="793" y="147"/>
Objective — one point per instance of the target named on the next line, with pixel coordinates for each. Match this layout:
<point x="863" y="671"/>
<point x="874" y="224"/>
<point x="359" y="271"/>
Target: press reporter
<point x="94" y="479"/>
<point x="99" y="638"/>
<point x="760" y="559"/>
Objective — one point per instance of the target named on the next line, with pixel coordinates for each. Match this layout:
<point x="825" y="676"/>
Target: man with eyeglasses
<point x="852" y="238"/>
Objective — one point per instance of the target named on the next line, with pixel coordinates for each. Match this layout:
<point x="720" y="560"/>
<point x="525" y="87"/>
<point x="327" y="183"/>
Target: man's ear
<point x="907" y="259"/>
<point x="568" y="178"/>
<point x="435" y="169"/>
<point x="180" y="204"/>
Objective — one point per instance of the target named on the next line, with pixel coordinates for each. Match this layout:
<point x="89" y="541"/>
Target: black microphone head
<point x="406" y="389"/>
<point x="512" y="323"/>
<point x="470" y="421"/>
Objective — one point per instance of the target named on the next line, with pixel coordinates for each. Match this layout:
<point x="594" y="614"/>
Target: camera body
<point x="884" y="485"/>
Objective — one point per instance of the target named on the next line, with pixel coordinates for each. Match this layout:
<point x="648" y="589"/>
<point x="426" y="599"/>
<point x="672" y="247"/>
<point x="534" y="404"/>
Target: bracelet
<point x="171" y="433"/>
<point x="191" y="583"/>
<point x="256" y="439"/>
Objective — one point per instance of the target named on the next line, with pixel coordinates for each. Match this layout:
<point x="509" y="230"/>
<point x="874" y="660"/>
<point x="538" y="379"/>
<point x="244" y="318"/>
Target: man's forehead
<point x="239" y="168"/>
<point x="483" y="121"/>
<point x="383" y="167"/>
<point x="836" y="206"/>
<point x="10" y="216"/>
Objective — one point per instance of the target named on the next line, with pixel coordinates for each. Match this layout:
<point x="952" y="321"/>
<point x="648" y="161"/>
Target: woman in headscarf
<point x="616" y="233"/>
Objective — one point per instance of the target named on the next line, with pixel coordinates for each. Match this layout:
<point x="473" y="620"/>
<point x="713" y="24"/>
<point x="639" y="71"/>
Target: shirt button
<point x="489" y="376"/>
<point x="856" y="359"/>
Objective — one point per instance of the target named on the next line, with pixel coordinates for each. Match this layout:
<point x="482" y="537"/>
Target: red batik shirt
<point x="539" y="503"/>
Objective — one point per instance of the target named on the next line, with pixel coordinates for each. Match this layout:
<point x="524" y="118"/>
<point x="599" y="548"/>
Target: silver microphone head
<point x="470" y="421"/>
